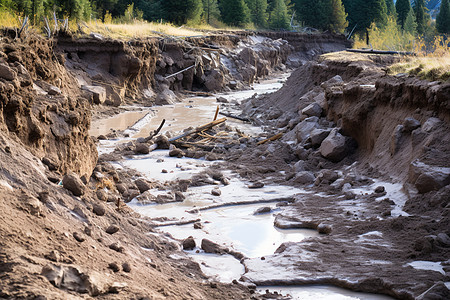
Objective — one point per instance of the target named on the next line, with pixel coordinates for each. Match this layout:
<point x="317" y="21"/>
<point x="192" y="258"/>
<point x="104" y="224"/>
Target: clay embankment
<point x="66" y="242"/>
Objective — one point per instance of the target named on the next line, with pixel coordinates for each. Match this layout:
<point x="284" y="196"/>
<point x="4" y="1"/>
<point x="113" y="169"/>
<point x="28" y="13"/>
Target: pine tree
<point x="410" y="25"/>
<point x="338" y="18"/>
<point x="234" y="12"/>
<point x="421" y="20"/>
<point x="180" y="11"/>
<point x="279" y="18"/>
<point x="402" y="7"/>
<point x="390" y="7"/>
<point x="258" y="12"/>
<point x="315" y="14"/>
<point x="443" y="18"/>
<point x="210" y="10"/>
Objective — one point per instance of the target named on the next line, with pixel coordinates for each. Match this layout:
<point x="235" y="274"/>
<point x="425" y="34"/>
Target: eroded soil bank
<point x="370" y="150"/>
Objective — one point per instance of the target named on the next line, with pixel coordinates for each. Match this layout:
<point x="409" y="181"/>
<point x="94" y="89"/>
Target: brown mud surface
<point x="66" y="232"/>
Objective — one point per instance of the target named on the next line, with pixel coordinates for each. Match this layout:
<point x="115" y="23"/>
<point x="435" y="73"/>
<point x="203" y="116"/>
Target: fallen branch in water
<point x="234" y="116"/>
<point x="218" y="205"/>
<point x="198" y="129"/>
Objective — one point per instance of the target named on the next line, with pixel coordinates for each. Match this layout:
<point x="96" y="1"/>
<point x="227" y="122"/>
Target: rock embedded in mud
<point x="304" y="128"/>
<point x="53" y="90"/>
<point x="221" y="100"/>
<point x="263" y="210"/>
<point x="78" y="237"/>
<point x="112" y="229"/>
<point x="114" y="267"/>
<point x="189" y="243"/>
<point x="324" y="228"/>
<point x="176" y="153"/>
<point x="256" y="185"/>
<point x="427" y="178"/>
<point x="126" y="267"/>
<point x="318" y="135"/>
<point x="74" y="184"/>
<point x="379" y="189"/>
<point x="98" y="93"/>
<point x="216" y="192"/>
<point x="142" y="148"/>
<point x="99" y="209"/>
<point x="117" y="247"/>
<point x="54" y="255"/>
<point x="410" y="124"/>
<point x="443" y="239"/>
<point x="211" y="247"/>
<point x="52" y="166"/>
<point x="163" y="142"/>
<point x="431" y="124"/>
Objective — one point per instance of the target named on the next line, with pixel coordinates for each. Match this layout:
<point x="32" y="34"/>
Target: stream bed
<point x="230" y="219"/>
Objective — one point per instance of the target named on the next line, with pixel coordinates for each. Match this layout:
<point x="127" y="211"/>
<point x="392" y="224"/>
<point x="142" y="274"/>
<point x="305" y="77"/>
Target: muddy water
<point x="222" y="220"/>
<point x="119" y="122"/>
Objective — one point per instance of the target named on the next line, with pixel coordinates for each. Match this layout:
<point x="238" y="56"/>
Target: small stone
<point x="189" y="243"/>
<point x="113" y="266"/>
<point x="213" y="285"/>
<point x="99" y="209"/>
<point x="102" y="137"/>
<point x="163" y="142"/>
<point x="198" y="225"/>
<point x="176" y="153"/>
<point x="379" y="189"/>
<point x="77" y="236"/>
<point x="216" y="192"/>
<point x="43" y="196"/>
<point x="53" y="90"/>
<point x="126" y="267"/>
<point x="410" y="124"/>
<point x="256" y="185"/>
<point x="179" y="196"/>
<point x="102" y="195"/>
<point x="164" y="171"/>
<point x="6" y="72"/>
<point x="225" y="181"/>
<point x="221" y="100"/>
<point x="304" y="177"/>
<point x="160" y="160"/>
<point x="112" y="229"/>
<point x="443" y="239"/>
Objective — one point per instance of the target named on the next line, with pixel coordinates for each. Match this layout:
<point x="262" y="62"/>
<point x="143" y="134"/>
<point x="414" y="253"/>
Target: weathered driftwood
<point x="234" y="116"/>
<point x="217" y="112"/>
<point x="272" y="138"/>
<point x="198" y="129"/>
<point x="372" y="51"/>
<point x="175" y="74"/>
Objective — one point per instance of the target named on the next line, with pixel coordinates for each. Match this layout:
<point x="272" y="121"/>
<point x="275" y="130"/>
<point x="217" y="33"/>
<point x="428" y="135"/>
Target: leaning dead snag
<point x="198" y="129"/>
<point x="272" y="138"/>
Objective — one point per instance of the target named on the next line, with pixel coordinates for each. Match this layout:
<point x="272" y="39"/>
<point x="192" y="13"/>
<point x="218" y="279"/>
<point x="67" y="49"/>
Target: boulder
<point x="142" y="148"/>
<point x="303" y="129"/>
<point x="74" y="184"/>
<point x="211" y="247"/>
<point x="175" y="152"/>
<point x="98" y="93"/>
<point x="262" y="210"/>
<point x="410" y="124"/>
<point x="111" y="229"/>
<point x="163" y="142"/>
<point x="427" y="178"/>
<point x="7" y="73"/>
<point x="312" y="110"/>
<point x="430" y="124"/>
<point x="98" y="209"/>
<point x="214" y="81"/>
<point x="335" y="81"/>
<point x="299" y="166"/>
<point x="165" y="97"/>
<point x="334" y="147"/>
<point x="317" y="136"/>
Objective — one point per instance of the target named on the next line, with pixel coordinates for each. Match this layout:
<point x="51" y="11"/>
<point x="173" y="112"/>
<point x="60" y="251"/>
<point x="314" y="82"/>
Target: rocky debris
<point x="143" y="185"/>
<point x="380" y="189"/>
<point x="335" y="146"/>
<point x="78" y="237"/>
<point x="175" y="152"/>
<point x="304" y="177"/>
<point x="189" y="243"/>
<point x="114" y="267"/>
<point x="98" y="93"/>
<point x="256" y="185"/>
<point x="324" y="228"/>
<point x="74" y="184"/>
<point x="410" y="124"/>
<point x="317" y="136"/>
<point x="162" y="141"/>
<point x="303" y="129"/>
<point x="396" y="138"/>
<point x="165" y="96"/>
<point x="427" y="178"/>
<point x="430" y="124"/>
<point x="54" y="255"/>
<point x="221" y="100"/>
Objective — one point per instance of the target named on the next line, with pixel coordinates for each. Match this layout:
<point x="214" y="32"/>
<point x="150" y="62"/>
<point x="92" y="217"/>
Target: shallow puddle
<point x="323" y="292"/>
<point x="118" y="122"/>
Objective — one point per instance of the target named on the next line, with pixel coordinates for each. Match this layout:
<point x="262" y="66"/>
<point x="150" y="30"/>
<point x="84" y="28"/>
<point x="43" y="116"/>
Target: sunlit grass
<point x="7" y="19"/>
<point x="426" y="67"/>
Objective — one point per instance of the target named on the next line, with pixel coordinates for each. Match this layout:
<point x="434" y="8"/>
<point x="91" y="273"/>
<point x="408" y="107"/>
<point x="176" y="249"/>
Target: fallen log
<point x="234" y="116"/>
<point x="198" y="129"/>
<point x="372" y="51"/>
<point x="272" y="138"/>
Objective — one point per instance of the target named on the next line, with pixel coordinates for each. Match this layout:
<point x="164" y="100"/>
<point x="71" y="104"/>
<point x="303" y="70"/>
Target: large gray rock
<point x="335" y="81"/>
<point x="165" y="97"/>
<point x="431" y="124"/>
<point x="214" y="81"/>
<point x="6" y="72"/>
<point x="98" y="93"/>
<point x="74" y="184"/>
<point x="312" y="110"/>
<point x="334" y="147"/>
<point x="318" y="135"/>
<point x="427" y="178"/>
<point x="303" y="129"/>
<point x="142" y="184"/>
